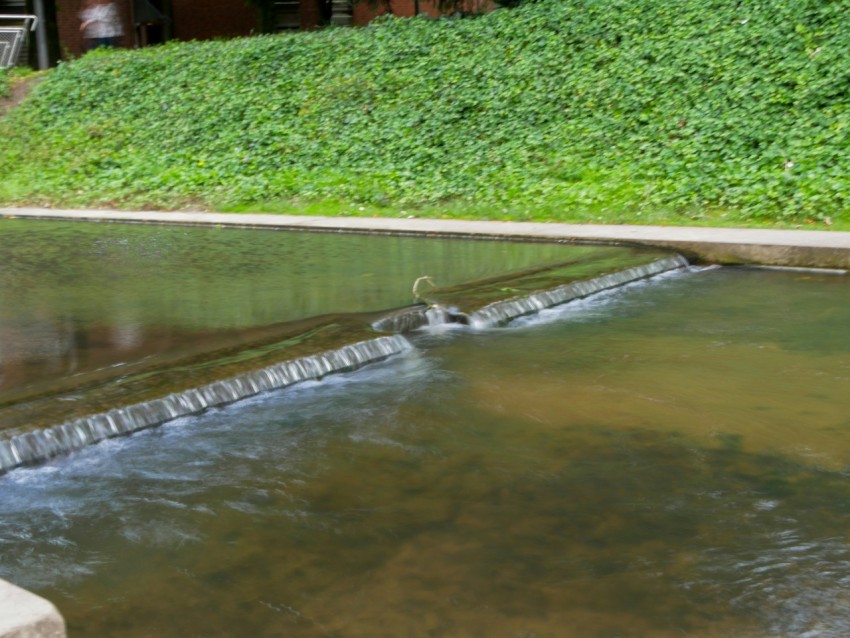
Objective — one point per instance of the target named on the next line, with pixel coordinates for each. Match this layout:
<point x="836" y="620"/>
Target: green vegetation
<point x="5" y="82"/>
<point x="9" y="79"/>
<point x="614" y="110"/>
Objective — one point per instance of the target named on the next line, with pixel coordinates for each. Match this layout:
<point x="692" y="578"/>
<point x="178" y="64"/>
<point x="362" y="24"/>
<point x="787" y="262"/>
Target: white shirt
<point x="104" y="21"/>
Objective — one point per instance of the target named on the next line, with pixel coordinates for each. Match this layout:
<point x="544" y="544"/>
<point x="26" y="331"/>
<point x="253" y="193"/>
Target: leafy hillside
<point x="5" y="82"/>
<point x="568" y="108"/>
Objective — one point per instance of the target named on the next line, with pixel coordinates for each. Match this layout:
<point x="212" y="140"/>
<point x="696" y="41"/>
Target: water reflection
<point x="638" y="465"/>
<point x="76" y="298"/>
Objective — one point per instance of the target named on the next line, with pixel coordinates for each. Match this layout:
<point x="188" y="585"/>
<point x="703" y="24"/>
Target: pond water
<point x="96" y="316"/>
<point x="666" y="459"/>
<point x="81" y="296"/>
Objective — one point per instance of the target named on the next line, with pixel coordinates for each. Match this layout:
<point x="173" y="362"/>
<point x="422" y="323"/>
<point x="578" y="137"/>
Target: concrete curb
<point x="785" y="248"/>
<point x="25" y="615"/>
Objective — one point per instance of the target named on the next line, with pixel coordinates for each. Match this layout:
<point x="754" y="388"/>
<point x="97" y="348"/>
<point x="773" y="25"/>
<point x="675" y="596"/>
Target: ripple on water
<point x="614" y="477"/>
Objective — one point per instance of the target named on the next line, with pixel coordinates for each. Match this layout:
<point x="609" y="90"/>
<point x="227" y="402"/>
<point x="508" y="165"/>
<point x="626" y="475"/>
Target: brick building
<point x="149" y="22"/>
<point x="154" y="21"/>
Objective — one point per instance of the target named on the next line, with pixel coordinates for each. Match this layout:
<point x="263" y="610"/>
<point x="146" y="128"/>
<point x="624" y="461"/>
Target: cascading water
<point x="410" y="319"/>
<point x="501" y="312"/>
<point x="126" y="353"/>
<point x="403" y="321"/>
<point x="41" y="445"/>
<point x="629" y="464"/>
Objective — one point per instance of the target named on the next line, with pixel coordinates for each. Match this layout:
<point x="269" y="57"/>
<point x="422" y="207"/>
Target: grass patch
<point x="5" y="83"/>
<point x="707" y="217"/>
<point x="697" y="112"/>
<point x="9" y="76"/>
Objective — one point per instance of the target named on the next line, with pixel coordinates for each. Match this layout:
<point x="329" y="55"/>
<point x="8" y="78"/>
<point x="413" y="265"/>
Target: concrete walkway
<point x="787" y="248"/>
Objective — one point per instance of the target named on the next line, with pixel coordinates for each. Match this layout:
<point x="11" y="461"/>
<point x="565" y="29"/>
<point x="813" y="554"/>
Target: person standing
<point x="100" y="24"/>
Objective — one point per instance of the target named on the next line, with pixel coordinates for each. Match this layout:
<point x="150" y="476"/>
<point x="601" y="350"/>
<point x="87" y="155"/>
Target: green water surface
<point x="669" y="459"/>
<point x="85" y="307"/>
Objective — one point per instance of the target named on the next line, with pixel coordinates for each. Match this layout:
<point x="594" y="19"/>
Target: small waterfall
<point x="417" y="317"/>
<point x="440" y="315"/>
<point x="500" y="312"/>
<point x="403" y="321"/>
<point x="40" y="445"/>
<point x="37" y="446"/>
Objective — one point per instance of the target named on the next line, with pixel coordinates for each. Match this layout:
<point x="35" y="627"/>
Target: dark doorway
<point x="152" y="20"/>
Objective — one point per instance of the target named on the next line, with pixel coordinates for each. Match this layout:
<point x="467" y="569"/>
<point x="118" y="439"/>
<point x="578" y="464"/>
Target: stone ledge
<point x="25" y="615"/>
<point x="769" y="247"/>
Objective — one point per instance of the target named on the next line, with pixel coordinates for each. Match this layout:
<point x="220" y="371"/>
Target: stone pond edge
<point x="822" y="249"/>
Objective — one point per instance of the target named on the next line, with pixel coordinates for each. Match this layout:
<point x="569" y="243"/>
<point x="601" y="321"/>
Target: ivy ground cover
<point x="559" y="109"/>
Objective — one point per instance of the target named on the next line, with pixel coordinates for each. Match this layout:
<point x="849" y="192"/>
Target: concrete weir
<point x="41" y="445"/>
<point x="25" y="615"/>
<point x="783" y="248"/>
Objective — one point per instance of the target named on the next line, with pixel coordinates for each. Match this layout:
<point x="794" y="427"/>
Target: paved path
<point x="787" y="248"/>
